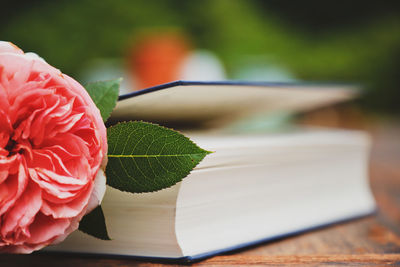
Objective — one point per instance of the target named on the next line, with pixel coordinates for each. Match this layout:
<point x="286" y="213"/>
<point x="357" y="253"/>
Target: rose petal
<point x="12" y="188"/>
<point x="24" y="211"/>
<point x="98" y="191"/>
<point x="69" y="209"/>
<point x="46" y="228"/>
<point x="7" y="47"/>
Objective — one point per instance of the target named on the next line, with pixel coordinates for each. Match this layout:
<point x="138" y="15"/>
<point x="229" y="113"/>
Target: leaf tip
<point x="94" y="224"/>
<point x="107" y="238"/>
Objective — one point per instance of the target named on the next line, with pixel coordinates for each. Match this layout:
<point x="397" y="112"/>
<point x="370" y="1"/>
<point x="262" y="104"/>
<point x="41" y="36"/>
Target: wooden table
<point x="374" y="240"/>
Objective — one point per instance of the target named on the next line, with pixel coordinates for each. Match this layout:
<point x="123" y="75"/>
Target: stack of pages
<point x="254" y="188"/>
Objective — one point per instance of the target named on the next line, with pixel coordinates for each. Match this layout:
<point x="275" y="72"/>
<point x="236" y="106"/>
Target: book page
<point x="223" y="103"/>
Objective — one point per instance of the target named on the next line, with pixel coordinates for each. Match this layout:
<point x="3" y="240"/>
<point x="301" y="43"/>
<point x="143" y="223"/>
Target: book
<point x="256" y="187"/>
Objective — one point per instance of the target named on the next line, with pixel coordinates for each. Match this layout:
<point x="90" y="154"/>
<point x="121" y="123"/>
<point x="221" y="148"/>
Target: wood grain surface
<point x="374" y="240"/>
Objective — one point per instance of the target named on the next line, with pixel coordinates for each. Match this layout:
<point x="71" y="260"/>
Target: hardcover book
<point x="255" y="187"/>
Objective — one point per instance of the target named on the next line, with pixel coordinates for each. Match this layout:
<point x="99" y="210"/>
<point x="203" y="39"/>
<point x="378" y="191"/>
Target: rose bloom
<point x="53" y="149"/>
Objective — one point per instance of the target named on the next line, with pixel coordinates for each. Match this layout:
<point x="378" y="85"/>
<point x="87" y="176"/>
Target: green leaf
<point x="105" y="95"/>
<point x="145" y="157"/>
<point x="94" y="224"/>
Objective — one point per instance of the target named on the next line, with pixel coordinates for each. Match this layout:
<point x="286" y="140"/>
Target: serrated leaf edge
<point x="152" y="123"/>
<point x="206" y="152"/>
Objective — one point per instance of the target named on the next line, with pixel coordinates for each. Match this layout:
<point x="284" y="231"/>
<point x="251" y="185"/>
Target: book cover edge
<point x="205" y="255"/>
<point x="355" y="87"/>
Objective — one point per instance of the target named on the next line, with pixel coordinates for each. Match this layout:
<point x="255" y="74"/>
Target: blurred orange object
<point x="157" y="59"/>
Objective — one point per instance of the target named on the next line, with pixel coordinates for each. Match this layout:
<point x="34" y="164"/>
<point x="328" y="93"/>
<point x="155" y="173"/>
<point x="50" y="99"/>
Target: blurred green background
<point x="344" y="41"/>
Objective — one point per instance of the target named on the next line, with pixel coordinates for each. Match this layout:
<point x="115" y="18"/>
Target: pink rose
<point x="53" y="148"/>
